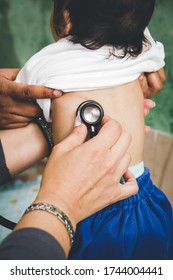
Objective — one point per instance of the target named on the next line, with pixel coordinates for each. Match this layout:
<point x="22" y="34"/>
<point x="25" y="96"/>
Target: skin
<point x="113" y="100"/>
<point x="23" y="147"/>
<point x="152" y="83"/>
<point x="18" y="106"/>
<point x="91" y="186"/>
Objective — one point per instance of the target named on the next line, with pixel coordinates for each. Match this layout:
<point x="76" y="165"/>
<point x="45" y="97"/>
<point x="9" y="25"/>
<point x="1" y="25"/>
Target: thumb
<point x="130" y="187"/>
<point x="76" y="138"/>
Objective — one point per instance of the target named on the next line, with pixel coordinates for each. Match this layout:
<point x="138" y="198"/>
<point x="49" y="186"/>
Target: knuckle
<point x="34" y="110"/>
<point x="80" y="133"/>
<point x="108" y="165"/>
<point x="27" y="93"/>
<point x="116" y="130"/>
<point x="118" y="127"/>
<point x="158" y="87"/>
<point x="95" y="152"/>
<point x="135" y="188"/>
<point x="127" y="136"/>
<point x="115" y="126"/>
<point x="113" y="196"/>
<point x="46" y="93"/>
<point x="164" y="79"/>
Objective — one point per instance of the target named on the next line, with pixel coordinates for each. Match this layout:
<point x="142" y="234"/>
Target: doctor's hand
<point x="82" y="178"/>
<point x="89" y="169"/>
<point x="18" y="106"/>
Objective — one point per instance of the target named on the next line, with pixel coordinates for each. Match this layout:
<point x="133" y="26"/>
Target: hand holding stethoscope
<point x="91" y="114"/>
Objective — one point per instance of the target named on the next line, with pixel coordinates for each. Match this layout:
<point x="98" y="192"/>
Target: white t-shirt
<point x="72" y="67"/>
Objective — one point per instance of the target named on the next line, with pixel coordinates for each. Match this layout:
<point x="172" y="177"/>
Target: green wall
<point x="24" y="29"/>
<point x="161" y="27"/>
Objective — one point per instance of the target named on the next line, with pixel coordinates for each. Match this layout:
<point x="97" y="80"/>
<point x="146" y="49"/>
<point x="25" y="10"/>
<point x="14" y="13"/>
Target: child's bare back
<point x="123" y="103"/>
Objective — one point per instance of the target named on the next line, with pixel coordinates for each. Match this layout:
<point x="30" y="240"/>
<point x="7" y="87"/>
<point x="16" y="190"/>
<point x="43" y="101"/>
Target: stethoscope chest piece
<point x="91" y="114"/>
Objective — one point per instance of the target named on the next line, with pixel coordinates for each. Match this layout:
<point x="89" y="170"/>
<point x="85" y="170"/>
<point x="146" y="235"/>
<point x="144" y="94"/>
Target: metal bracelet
<point x="55" y="211"/>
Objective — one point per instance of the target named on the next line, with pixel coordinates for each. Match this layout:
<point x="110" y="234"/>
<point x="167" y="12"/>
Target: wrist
<point x="47" y="222"/>
<point x="46" y="128"/>
<point x="39" y="143"/>
<point x="58" y="213"/>
<point x="58" y="201"/>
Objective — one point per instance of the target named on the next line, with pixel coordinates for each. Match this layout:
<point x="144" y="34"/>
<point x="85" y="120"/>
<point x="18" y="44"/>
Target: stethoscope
<point x="91" y="113"/>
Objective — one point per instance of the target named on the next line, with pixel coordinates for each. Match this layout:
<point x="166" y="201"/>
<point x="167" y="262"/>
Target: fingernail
<point x="57" y="93"/>
<point x="77" y="122"/>
<point x="154" y="104"/>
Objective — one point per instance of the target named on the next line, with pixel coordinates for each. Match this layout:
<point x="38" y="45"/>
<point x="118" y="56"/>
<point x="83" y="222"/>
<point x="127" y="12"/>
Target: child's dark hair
<point x="95" y="23"/>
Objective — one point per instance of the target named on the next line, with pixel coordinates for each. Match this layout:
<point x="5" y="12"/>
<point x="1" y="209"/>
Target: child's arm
<point x="23" y="147"/>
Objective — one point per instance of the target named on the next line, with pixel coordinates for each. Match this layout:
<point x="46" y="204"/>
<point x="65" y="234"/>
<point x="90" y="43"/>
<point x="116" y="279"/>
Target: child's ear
<point x="68" y="22"/>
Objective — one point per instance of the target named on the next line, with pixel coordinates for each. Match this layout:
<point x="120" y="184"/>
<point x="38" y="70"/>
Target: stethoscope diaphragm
<point x="91" y="114"/>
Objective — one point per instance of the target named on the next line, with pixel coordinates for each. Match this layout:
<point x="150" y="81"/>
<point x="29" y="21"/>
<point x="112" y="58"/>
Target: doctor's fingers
<point x="28" y="92"/>
<point x="108" y="189"/>
<point x="17" y="114"/>
<point x="130" y="187"/>
<point x="17" y="122"/>
<point x="120" y="148"/>
<point x="112" y="177"/>
<point x="116" y="191"/>
<point x="115" y="159"/>
<point x="108" y="135"/>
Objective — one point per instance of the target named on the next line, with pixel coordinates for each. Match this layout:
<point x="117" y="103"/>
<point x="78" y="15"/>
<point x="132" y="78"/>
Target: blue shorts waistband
<point x="146" y="187"/>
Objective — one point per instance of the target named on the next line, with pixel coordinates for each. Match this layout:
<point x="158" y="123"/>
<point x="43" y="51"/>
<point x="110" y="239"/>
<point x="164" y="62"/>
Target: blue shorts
<point x="140" y="227"/>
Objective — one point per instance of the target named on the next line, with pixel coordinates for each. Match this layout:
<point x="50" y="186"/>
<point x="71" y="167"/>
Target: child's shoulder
<point x="51" y="48"/>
